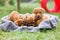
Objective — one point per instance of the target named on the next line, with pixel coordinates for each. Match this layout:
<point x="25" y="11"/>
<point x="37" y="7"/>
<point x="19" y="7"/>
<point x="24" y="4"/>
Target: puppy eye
<point x="40" y="12"/>
<point x="35" y="12"/>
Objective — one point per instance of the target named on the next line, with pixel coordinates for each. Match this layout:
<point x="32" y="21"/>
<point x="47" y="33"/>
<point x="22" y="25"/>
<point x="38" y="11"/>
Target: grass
<point x="44" y="35"/>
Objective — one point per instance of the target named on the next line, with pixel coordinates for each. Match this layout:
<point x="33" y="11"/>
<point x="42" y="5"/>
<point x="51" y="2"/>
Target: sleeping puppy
<point x="15" y="17"/>
<point x="39" y="15"/>
<point x="28" y="19"/>
<point x="24" y="18"/>
<point x="19" y="22"/>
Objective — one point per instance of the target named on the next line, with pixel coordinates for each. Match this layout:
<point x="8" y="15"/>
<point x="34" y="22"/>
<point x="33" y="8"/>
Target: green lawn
<point x="27" y="8"/>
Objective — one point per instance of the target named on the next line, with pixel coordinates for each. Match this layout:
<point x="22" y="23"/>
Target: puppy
<point x="15" y="17"/>
<point x="39" y="15"/>
<point x="28" y="19"/>
<point x="19" y="22"/>
<point x="24" y="17"/>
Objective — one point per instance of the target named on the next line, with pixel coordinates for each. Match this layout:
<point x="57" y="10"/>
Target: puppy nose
<point x="38" y="17"/>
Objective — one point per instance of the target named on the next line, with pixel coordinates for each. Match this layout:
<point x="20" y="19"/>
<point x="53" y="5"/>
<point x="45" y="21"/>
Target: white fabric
<point x="48" y="24"/>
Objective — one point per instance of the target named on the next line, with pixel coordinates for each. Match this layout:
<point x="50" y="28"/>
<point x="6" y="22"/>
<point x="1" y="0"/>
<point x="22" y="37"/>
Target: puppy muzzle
<point x="38" y="17"/>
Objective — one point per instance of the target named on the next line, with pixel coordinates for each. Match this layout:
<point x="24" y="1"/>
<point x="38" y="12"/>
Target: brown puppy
<point x="39" y="15"/>
<point x="19" y="22"/>
<point x="28" y="19"/>
<point x="24" y="17"/>
<point x="14" y="16"/>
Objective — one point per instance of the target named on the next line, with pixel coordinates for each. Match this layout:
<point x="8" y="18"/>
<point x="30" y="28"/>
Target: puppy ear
<point x="34" y="10"/>
<point x="43" y="11"/>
